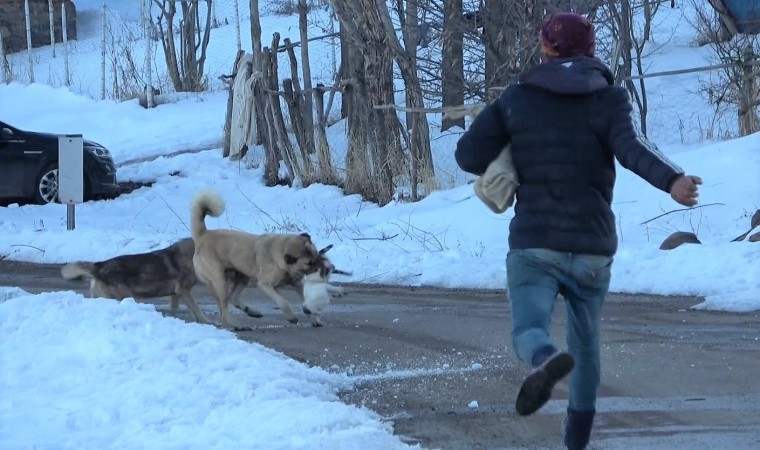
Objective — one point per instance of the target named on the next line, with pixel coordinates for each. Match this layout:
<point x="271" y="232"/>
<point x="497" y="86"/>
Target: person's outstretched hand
<point x="684" y="190"/>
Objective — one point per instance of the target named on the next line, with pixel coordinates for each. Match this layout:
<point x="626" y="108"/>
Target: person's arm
<point x="484" y="140"/>
<point x="636" y="153"/>
<point x="639" y="155"/>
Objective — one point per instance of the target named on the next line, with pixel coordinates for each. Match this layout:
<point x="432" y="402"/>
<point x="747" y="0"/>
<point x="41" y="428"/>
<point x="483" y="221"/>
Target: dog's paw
<point x="316" y="323"/>
<point x="338" y="292"/>
<point x="252" y="312"/>
<point x="294" y="320"/>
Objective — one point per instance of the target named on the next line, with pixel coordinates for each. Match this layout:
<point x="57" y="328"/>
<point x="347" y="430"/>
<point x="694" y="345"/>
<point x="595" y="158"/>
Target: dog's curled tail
<point x="205" y="203"/>
<point x="73" y="271"/>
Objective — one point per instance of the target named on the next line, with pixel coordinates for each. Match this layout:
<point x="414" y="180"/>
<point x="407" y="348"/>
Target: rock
<point x="754" y="222"/>
<point x="678" y="238"/>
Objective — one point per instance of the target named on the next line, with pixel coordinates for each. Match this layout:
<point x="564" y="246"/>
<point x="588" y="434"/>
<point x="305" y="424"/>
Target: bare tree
<point x="438" y="37"/>
<point x="186" y="65"/>
<point x="504" y="34"/>
<point x="735" y="85"/>
<point x="630" y="46"/>
<point x="369" y="27"/>
<point x="370" y="79"/>
<point x="498" y="37"/>
<point x="452" y="65"/>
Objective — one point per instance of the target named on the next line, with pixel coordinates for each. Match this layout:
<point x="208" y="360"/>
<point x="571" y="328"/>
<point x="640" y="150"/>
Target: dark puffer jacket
<point x="566" y="124"/>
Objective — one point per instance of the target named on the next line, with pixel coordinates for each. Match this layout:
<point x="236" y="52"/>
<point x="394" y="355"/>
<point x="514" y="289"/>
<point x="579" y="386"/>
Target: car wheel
<point x="46" y="187"/>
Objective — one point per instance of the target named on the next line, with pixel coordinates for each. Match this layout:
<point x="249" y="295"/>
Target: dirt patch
<point x="126" y="187"/>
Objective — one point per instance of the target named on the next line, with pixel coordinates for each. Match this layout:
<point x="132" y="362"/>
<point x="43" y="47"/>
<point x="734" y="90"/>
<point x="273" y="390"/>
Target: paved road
<point x="673" y="378"/>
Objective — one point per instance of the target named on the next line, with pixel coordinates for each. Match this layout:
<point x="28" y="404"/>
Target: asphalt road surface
<point x="437" y="363"/>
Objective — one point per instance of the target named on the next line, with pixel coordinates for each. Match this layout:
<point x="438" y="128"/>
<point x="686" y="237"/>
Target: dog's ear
<point x="326" y="249"/>
<point x="290" y="259"/>
<point x="306" y="235"/>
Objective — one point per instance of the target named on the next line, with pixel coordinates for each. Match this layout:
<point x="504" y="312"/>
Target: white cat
<point x="317" y="290"/>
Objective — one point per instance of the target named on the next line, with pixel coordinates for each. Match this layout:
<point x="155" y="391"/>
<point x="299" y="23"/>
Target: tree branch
<point x="677" y="210"/>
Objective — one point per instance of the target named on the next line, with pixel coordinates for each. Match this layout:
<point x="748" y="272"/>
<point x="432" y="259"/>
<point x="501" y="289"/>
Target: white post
<point x="237" y="24"/>
<point x="65" y="35"/>
<point x="4" y="61"/>
<point x="28" y="18"/>
<point x="70" y="174"/>
<point x="52" y="26"/>
<point x="103" y="55"/>
<point x="148" y="25"/>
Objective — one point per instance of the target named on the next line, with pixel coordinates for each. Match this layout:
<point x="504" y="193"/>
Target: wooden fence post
<point x="748" y="120"/>
<point x="6" y="70"/>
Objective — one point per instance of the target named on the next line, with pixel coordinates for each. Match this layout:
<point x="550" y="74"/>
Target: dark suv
<point x="29" y="167"/>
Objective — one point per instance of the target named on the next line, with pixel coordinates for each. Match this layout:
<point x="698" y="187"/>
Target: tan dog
<point x="165" y="272"/>
<point x="270" y="260"/>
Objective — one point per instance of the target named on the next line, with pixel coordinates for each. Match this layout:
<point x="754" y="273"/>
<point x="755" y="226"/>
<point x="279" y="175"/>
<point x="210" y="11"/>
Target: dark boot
<point x="537" y="387"/>
<point x="577" y="428"/>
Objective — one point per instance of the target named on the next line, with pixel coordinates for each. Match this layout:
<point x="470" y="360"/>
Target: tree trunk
<point x="255" y="33"/>
<point x="256" y="45"/>
<point x="748" y="98"/>
<point x="190" y="80"/>
<point x="497" y="39"/>
<point x="283" y="140"/>
<point x="358" y="173"/>
<point x="298" y="112"/>
<point x="187" y="73"/>
<point x="326" y="172"/>
<point x="167" y="41"/>
<point x="622" y="15"/>
<point x="347" y="55"/>
<point x="272" y="155"/>
<point x="452" y="67"/>
<point x="420" y="144"/>
<point x="410" y="29"/>
<point x="368" y="25"/>
<point x="308" y="111"/>
<point x="384" y="123"/>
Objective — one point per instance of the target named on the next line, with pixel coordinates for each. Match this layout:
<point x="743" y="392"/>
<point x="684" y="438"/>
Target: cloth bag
<point x="496" y="187"/>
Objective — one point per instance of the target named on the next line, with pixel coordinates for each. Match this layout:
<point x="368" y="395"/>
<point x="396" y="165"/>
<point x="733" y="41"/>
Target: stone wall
<point x="13" y="23"/>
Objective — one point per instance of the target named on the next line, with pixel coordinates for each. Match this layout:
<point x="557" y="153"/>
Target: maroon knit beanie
<point x="568" y="34"/>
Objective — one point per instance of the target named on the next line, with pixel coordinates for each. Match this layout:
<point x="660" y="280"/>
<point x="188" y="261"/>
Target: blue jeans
<point x="534" y="278"/>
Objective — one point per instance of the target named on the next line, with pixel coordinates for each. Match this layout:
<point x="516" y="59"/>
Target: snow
<point x="79" y="373"/>
<point x="100" y="374"/>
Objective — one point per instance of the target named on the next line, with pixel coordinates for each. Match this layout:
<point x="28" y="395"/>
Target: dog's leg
<point x="194" y="309"/>
<point x="219" y="288"/>
<point x="217" y="282"/>
<point x="281" y="302"/>
<point x="173" y="305"/>
<point x="234" y="296"/>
